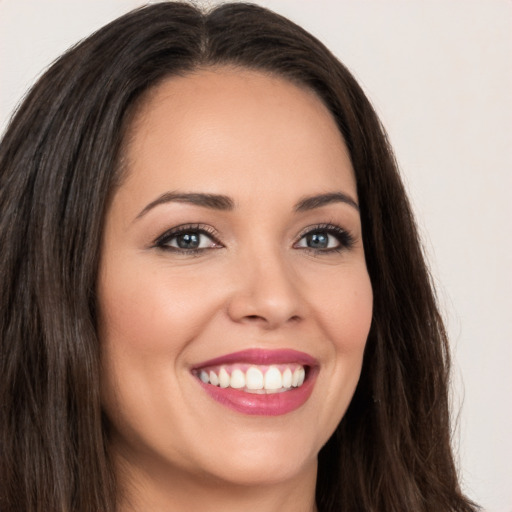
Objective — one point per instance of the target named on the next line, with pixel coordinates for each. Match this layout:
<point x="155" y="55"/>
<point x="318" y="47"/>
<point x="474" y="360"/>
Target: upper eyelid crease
<point x="225" y="203"/>
<point x="345" y="238"/>
<point x="212" y="232"/>
<point x="186" y="228"/>
<point x="331" y="228"/>
<point x="323" y="226"/>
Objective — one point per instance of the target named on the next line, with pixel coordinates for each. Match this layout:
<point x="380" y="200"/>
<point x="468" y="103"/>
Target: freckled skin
<point x="265" y="143"/>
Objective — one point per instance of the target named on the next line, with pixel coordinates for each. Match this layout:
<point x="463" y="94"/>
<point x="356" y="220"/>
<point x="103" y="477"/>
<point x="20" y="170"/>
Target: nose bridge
<point x="266" y="288"/>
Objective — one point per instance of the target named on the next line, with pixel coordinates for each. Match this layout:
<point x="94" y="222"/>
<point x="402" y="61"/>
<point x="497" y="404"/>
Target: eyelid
<point x="331" y="228"/>
<point x="345" y="238"/>
<point x="204" y="229"/>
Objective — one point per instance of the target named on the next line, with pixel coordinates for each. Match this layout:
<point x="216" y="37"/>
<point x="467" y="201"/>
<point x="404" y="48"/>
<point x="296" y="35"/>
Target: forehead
<point x="215" y="127"/>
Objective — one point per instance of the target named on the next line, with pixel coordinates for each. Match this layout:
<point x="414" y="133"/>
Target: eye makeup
<point x="325" y="238"/>
<point x="188" y="239"/>
<point x="192" y="239"/>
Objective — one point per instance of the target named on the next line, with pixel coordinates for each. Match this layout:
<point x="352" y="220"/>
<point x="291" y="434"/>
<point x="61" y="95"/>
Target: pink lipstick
<point x="259" y="382"/>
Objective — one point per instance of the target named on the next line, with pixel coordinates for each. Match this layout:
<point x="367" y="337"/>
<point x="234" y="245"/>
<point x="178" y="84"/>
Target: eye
<point x="325" y="238"/>
<point x="188" y="239"/>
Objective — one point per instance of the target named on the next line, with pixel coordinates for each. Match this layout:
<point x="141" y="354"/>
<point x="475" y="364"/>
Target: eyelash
<point x="162" y="242"/>
<point x="345" y="239"/>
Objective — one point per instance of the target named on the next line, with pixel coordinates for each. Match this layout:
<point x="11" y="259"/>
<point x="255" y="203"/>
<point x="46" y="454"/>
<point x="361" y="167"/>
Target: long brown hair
<point x="59" y="165"/>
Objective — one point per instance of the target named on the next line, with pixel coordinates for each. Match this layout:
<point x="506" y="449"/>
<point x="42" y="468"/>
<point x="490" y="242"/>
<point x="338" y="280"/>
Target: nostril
<point x="254" y="317"/>
<point x="261" y="318"/>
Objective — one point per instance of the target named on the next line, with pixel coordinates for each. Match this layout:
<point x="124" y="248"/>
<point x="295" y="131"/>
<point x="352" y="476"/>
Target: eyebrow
<point x="213" y="201"/>
<point x="317" y="201"/>
<point x="225" y="203"/>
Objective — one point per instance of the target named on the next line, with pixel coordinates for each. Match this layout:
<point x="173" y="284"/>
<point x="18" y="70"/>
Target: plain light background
<point x="439" y="74"/>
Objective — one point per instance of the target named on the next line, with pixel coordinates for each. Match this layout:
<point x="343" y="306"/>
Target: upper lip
<point x="262" y="357"/>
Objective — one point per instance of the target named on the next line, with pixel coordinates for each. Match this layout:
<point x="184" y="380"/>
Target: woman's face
<point x="232" y="269"/>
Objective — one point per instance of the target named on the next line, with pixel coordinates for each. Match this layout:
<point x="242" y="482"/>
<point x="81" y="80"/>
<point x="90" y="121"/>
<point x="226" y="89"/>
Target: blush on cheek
<point x="350" y="317"/>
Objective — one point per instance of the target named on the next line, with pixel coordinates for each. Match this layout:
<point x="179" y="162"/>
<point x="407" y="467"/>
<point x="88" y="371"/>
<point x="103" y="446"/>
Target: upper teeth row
<point x="253" y="379"/>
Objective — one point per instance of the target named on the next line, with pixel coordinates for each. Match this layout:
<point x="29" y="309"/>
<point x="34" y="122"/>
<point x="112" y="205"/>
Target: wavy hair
<point x="59" y="166"/>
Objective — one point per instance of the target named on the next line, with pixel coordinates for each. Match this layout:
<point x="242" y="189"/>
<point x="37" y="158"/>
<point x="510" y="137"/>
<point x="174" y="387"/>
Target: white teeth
<point x="302" y="376"/>
<point x="237" y="379"/>
<point x="295" y="378"/>
<point x="273" y="378"/>
<point x="254" y="378"/>
<point x="224" y="378"/>
<point x="214" y="379"/>
<point x="287" y="378"/>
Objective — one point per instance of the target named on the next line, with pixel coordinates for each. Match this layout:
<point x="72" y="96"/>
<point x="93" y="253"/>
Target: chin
<point x="266" y="458"/>
<point x="265" y="470"/>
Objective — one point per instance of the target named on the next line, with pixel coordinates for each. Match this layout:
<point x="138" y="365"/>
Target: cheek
<point x="148" y="318"/>
<point x="152" y="311"/>
<point x="345" y="309"/>
<point x="345" y="315"/>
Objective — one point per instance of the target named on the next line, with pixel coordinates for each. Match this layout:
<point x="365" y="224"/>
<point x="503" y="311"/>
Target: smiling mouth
<point x="259" y="382"/>
<point x="258" y="379"/>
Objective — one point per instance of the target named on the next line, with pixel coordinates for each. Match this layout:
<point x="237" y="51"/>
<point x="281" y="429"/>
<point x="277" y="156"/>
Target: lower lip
<point x="273" y="404"/>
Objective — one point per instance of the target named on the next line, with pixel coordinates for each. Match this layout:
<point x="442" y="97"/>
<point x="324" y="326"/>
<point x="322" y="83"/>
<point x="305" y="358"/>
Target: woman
<point x="213" y="294"/>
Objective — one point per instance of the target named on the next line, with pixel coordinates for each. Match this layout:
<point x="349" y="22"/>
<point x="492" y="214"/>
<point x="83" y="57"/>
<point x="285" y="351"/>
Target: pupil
<point x="317" y="240"/>
<point x="188" y="241"/>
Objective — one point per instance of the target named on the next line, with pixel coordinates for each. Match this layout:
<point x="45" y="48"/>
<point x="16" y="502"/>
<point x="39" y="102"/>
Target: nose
<point x="266" y="293"/>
